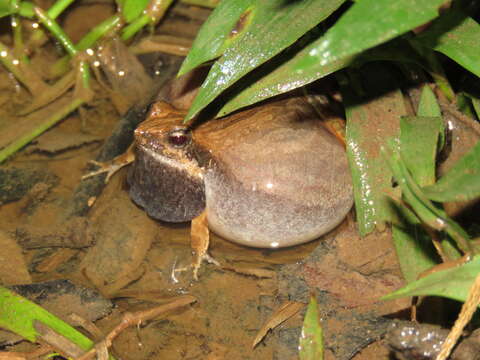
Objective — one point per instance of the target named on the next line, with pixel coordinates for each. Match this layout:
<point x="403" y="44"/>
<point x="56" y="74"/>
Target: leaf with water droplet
<point x="263" y="30"/>
<point x="371" y="121"/>
<point x="366" y="24"/>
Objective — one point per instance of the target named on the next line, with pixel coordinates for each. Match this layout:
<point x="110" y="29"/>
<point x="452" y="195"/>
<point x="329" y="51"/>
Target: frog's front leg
<point x="200" y="238"/>
<point x="111" y="167"/>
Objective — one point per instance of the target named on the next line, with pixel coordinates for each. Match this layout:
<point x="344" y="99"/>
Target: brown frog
<point x="270" y="176"/>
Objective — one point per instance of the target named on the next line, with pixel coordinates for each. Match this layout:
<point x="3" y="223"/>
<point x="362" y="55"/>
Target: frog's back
<point x="277" y="176"/>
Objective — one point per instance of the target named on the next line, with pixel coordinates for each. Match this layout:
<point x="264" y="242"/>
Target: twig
<point x="468" y="309"/>
<point x="137" y="318"/>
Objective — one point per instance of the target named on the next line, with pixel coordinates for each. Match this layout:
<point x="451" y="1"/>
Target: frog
<point x="269" y="176"/>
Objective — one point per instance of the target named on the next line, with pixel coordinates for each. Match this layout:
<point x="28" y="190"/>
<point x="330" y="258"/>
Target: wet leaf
<point x="418" y="142"/>
<point x="428" y="212"/>
<point x="260" y="34"/>
<point x="283" y="313"/>
<point x="131" y="9"/>
<point x="476" y="105"/>
<point x="19" y="315"/>
<point x="25" y="8"/>
<point x="6" y="8"/>
<point x="366" y="24"/>
<point x="213" y="37"/>
<point x="428" y="106"/>
<point x="455" y="35"/>
<point x="412" y="244"/>
<point x="461" y="182"/>
<point x="370" y="123"/>
<point x="452" y="283"/>
<point x="277" y="81"/>
<point x="311" y="340"/>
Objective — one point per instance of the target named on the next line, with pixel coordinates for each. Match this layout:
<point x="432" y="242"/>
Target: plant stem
<point x="56" y="30"/>
<point x="130" y="30"/>
<point x="205" y="3"/>
<point x="19" y="46"/>
<point x="154" y="13"/>
<point x="55" y="10"/>
<point x="32" y="83"/>
<point x="98" y="32"/>
<point x="25" y="139"/>
<point x="61" y="66"/>
<point x="62" y="37"/>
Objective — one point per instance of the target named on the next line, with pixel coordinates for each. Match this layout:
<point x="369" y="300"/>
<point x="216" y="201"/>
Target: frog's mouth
<point x="167" y="188"/>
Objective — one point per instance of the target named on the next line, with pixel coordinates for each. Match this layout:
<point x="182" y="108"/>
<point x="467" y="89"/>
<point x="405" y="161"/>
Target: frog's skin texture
<point x="269" y="176"/>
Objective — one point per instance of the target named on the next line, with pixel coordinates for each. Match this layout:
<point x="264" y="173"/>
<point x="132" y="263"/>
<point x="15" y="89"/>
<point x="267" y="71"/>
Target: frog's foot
<point x="199" y="259"/>
<point x="200" y="237"/>
<point x="197" y="263"/>
<point x="111" y="167"/>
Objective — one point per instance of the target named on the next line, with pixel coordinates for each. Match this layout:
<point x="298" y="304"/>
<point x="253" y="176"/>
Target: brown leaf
<point x="285" y="312"/>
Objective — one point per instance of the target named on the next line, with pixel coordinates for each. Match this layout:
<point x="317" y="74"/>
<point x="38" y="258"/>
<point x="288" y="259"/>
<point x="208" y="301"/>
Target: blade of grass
<point x="371" y="120"/>
<point x="418" y="139"/>
<point x="254" y="39"/>
<point x="425" y="210"/>
<point x="453" y="283"/>
<point x="25" y="139"/>
<point x="62" y="37"/>
<point x="22" y="71"/>
<point x="18" y="315"/>
<point x="365" y="24"/>
<point x="310" y="346"/>
<point x="461" y="182"/>
<point x="455" y="35"/>
<point x="61" y="66"/>
<point x="428" y="106"/>
<point x="153" y="14"/>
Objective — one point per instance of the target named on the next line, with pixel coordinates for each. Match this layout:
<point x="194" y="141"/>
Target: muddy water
<point x="135" y="261"/>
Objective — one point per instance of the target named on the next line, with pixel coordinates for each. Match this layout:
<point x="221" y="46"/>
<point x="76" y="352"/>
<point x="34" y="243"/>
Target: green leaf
<point x="461" y="182"/>
<point x="455" y="35"/>
<point x="213" y="37"/>
<point x="476" y="105"/>
<point x="311" y="340"/>
<point x="19" y="315"/>
<point x="366" y="24"/>
<point x="464" y="105"/>
<point x="25" y="9"/>
<point x="132" y="9"/>
<point x="428" y="106"/>
<point x="429" y="213"/>
<point x="413" y="245"/>
<point x="452" y="283"/>
<point x="285" y="74"/>
<point x="418" y="139"/>
<point x="370" y="123"/>
<point x="264" y="29"/>
<point x="6" y="8"/>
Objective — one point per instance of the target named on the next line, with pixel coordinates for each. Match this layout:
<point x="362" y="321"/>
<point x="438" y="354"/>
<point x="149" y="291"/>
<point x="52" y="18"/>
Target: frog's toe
<point x="104" y="168"/>
<point x="198" y="263"/>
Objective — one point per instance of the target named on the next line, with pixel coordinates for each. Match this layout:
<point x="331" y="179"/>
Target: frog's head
<point x="166" y="179"/>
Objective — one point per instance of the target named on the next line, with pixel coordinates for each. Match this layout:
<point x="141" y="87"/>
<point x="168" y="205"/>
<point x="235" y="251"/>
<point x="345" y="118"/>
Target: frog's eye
<point x="179" y="138"/>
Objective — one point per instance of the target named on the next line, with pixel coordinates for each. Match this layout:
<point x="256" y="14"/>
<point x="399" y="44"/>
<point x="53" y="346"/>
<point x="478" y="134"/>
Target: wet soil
<point x="112" y="246"/>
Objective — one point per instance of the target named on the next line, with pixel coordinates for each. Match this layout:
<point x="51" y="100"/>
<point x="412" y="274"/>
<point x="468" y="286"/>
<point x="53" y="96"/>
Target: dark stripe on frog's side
<point x="167" y="193"/>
